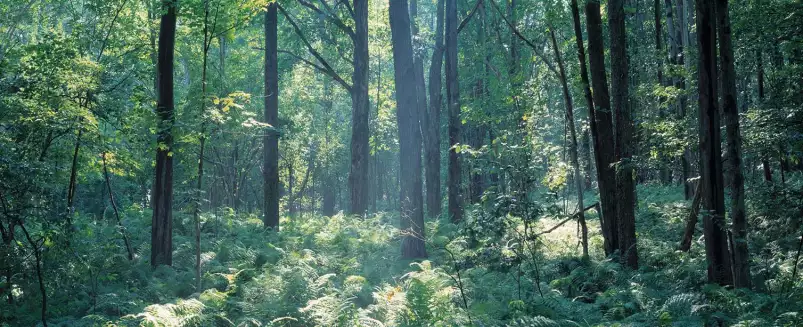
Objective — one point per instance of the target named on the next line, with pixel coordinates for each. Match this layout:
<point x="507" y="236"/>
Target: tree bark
<point x="433" y="116"/>
<point x="713" y="199"/>
<point x="578" y="179"/>
<point x="453" y="104"/>
<point x="623" y="145"/>
<point x="360" y="153"/>
<point x="271" y="137"/>
<point x="730" y="109"/>
<point x="603" y="135"/>
<point x="407" y="111"/>
<point x="162" y="222"/>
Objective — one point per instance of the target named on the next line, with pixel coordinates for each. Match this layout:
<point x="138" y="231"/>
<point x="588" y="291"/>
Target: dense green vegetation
<point x="401" y="163"/>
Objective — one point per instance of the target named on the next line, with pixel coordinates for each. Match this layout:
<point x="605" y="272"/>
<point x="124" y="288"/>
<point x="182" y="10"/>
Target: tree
<point x="578" y="178"/>
<point x="271" y="137"/>
<point x="733" y="137"/>
<point x="162" y="222"/>
<point x="407" y="111"/>
<point x="360" y="153"/>
<point x="713" y="198"/>
<point x="432" y="152"/>
<point x="429" y="124"/>
<point x="603" y="136"/>
<point x="358" y="90"/>
<point x="623" y="145"/>
<point x="453" y="105"/>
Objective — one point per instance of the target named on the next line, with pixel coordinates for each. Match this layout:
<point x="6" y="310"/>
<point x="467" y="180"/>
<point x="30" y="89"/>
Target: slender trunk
<point x="664" y="171"/>
<point x="201" y="147"/>
<point x="741" y="264"/>
<point x="116" y="211"/>
<point x="162" y="222"/>
<point x="604" y="128"/>
<point x="765" y="163"/>
<point x="271" y="137"/>
<point x="358" y="175"/>
<point x="453" y="103"/>
<point x="433" y="151"/>
<point x="73" y="175"/>
<point x="407" y="111"/>
<point x="39" y="274"/>
<point x="578" y="180"/>
<point x="432" y="170"/>
<point x="713" y="198"/>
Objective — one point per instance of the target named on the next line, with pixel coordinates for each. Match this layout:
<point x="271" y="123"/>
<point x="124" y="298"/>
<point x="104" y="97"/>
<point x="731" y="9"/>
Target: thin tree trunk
<point x="271" y="137"/>
<point x="664" y="171"/>
<point x="116" y="211"/>
<point x="73" y="175"/>
<point x="430" y="145"/>
<point x="433" y="151"/>
<point x="578" y="179"/>
<point x="741" y="264"/>
<point x="604" y="128"/>
<point x="162" y="224"/>
<point x="412" y="213"/>
<point x="713" y="198"/>
<point x="39" y="274"/>
<point x="453" y="103"/>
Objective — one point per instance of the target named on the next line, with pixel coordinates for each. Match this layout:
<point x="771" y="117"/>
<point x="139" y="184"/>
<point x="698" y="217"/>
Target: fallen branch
<point x="566" y="220"/>
<point x="691" y="222"/>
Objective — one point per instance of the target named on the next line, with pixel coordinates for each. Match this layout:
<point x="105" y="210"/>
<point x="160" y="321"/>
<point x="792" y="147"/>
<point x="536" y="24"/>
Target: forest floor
<point x="343" y="271"/>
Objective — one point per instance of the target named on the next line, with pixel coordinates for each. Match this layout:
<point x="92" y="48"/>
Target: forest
<point x="544" y="163"/>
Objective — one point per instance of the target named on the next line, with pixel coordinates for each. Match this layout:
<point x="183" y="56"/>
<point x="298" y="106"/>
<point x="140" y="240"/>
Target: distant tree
<point x="453" y="105"/>
<point x="432" y="151"/>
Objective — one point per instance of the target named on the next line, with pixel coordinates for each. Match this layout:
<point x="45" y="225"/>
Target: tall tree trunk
<point x="730" y="109"/>
<point x="623" y="145"/>
<point x="453" y="104"/>
<point x="162" y="222"/>
<point x="578" y="180"/>
<point x="271" y="138"/>
<point x="601" y="115"/>
<point x="412" y="213"/>
<point x="360" y="153"/>
<point x="713" y="197"/>
<point x="678" y="47"/>
<point x="433" y="151"/>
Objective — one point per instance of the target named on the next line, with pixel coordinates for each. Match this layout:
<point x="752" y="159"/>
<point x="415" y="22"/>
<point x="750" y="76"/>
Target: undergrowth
<point x="346" y="271"/>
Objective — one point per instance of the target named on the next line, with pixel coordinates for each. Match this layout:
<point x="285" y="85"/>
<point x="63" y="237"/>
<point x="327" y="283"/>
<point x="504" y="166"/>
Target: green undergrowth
<point x="346" y="271"/>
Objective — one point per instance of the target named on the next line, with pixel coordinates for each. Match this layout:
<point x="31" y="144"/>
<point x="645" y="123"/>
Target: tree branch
<point x="468" y="18"/>
<point x="330" y="16"/>
<point x="535" y="48"/>
<point x="326" y="68"/>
